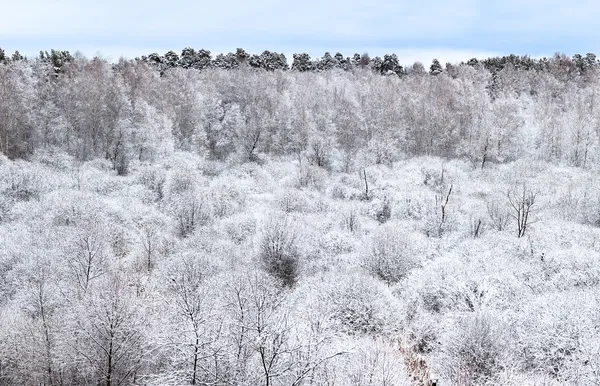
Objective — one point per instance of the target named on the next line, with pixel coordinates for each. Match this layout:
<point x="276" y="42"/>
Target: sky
<point x="450" y="31"/>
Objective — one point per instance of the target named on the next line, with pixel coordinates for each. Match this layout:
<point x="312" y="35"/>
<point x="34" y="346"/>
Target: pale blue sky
<point x="449" y="30"/>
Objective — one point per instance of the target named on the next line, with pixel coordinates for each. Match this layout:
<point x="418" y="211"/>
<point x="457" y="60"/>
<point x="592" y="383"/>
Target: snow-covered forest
<point x="324" y="225"/>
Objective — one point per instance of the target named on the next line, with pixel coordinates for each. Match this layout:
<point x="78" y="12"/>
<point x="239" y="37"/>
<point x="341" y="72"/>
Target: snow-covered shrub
<point x="213" y="168"/>
<point x="390" y="255"/>
<point x="433" y="177"/>
<point x="181" y="181"/>
<point x="383" y="211"/>
<point x="376" y="362"/>
<point x="558" y="337"/>
<point x="360" y="305"/>
<point x="350" y="220"/>
<point x="337" y="242"/>
<point x="473" y="349"/>
<point x="154" y="179"/>
<point x="338" y="192"/>
<point x="421" y="331"/>
<point x="310" y="176"/>
<point x="54" y="158"/>
<point x="292" y="200"/>
<point x="435" y="223"/>
<point x="226" y="199"/>
<point x="21" y="181"/>
<point x="190" y="211"/>
<point x="240" y="227"/>
<point x="6" y="204"/>
<point x="279" y="250"/>
<point x="499" y="214"/>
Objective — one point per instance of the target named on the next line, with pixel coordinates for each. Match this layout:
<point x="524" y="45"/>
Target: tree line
<point x="494" y="110"/>
<point x="271" y="61"/>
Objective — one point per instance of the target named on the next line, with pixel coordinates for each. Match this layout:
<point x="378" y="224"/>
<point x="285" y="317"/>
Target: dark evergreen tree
<point x="327" y="62"/>
<point x="16" y="57"/>
<point x="590" y="61"/>
<point x="302" y="63"/>
<point x="341" y="62"/>
<point x="188" y="58"/>
<point x="203" y="59"/>
<point x="171" y="59"/>
<point x="255" y="61"/>
<point x="272" y="61"/>
<point x="157" y="62"/>
<point x="226" y="62"/>
<point x="436" y="68"/>
<point x="473" y="62"/>
<point x="365" y="60"/>
<point x="389" y="65"/>
<point x="241" y="56"/>
<point x="56" y="60"/>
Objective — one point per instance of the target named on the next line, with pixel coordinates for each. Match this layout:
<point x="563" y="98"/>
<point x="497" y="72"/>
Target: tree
<point x="191" y="337"/>
<point x="16" y="97"/>
<point x="327" y="63"/>
<point x="302" y="63"/>
<point x="522" y="201"/>
<point x="109" y="339"/>
<point x="436" y="68"/>
<point x="171" y="59"/>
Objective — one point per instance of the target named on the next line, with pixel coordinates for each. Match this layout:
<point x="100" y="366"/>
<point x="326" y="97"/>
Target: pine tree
<point x="341" y="62"/>
<point x="436" y="68"/>
<point x="327" y="62"/>
<point x="226" y="62"/>
<point x="241" y="55"/>
<point x="17" y="57"/>
<point x="171" y="59"/>
<point x="188" y="57"/>
<point x="302" y="63"/>
<point x="389" y="66"/>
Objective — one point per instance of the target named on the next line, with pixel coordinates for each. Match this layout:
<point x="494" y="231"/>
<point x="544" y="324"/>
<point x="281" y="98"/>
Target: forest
<point x="190" y="220"/>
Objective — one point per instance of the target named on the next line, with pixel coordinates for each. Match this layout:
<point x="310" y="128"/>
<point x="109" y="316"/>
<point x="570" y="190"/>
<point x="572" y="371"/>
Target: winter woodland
<point x="190" y="220"/>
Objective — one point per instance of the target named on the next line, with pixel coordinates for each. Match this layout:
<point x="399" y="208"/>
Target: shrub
<point x="190" y="212"/>
<point x="311" y="176"/>
<point x="390" y="256"/>
<point x="279" y="251"/>
<point x="292" y="200"/>
<point x="6" y="204"/>
<point x="350" y="220"/>
<point x="226" y="199"/>
<point x="384" y="211"/>
<point x="153" y="179"/>
<point x="473" y="349"/>
<point x="240" y="227"/>
<point x="361" y="305"/>
<point x="556" y="336"/>
<point x="20" y="182"/>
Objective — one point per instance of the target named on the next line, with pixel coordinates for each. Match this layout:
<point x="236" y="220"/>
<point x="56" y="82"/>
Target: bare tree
<point x="87" y="252"/>
<point x="522" y="200"/>
<point x="189" y="302"/>
<point x="110" y="334"/>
